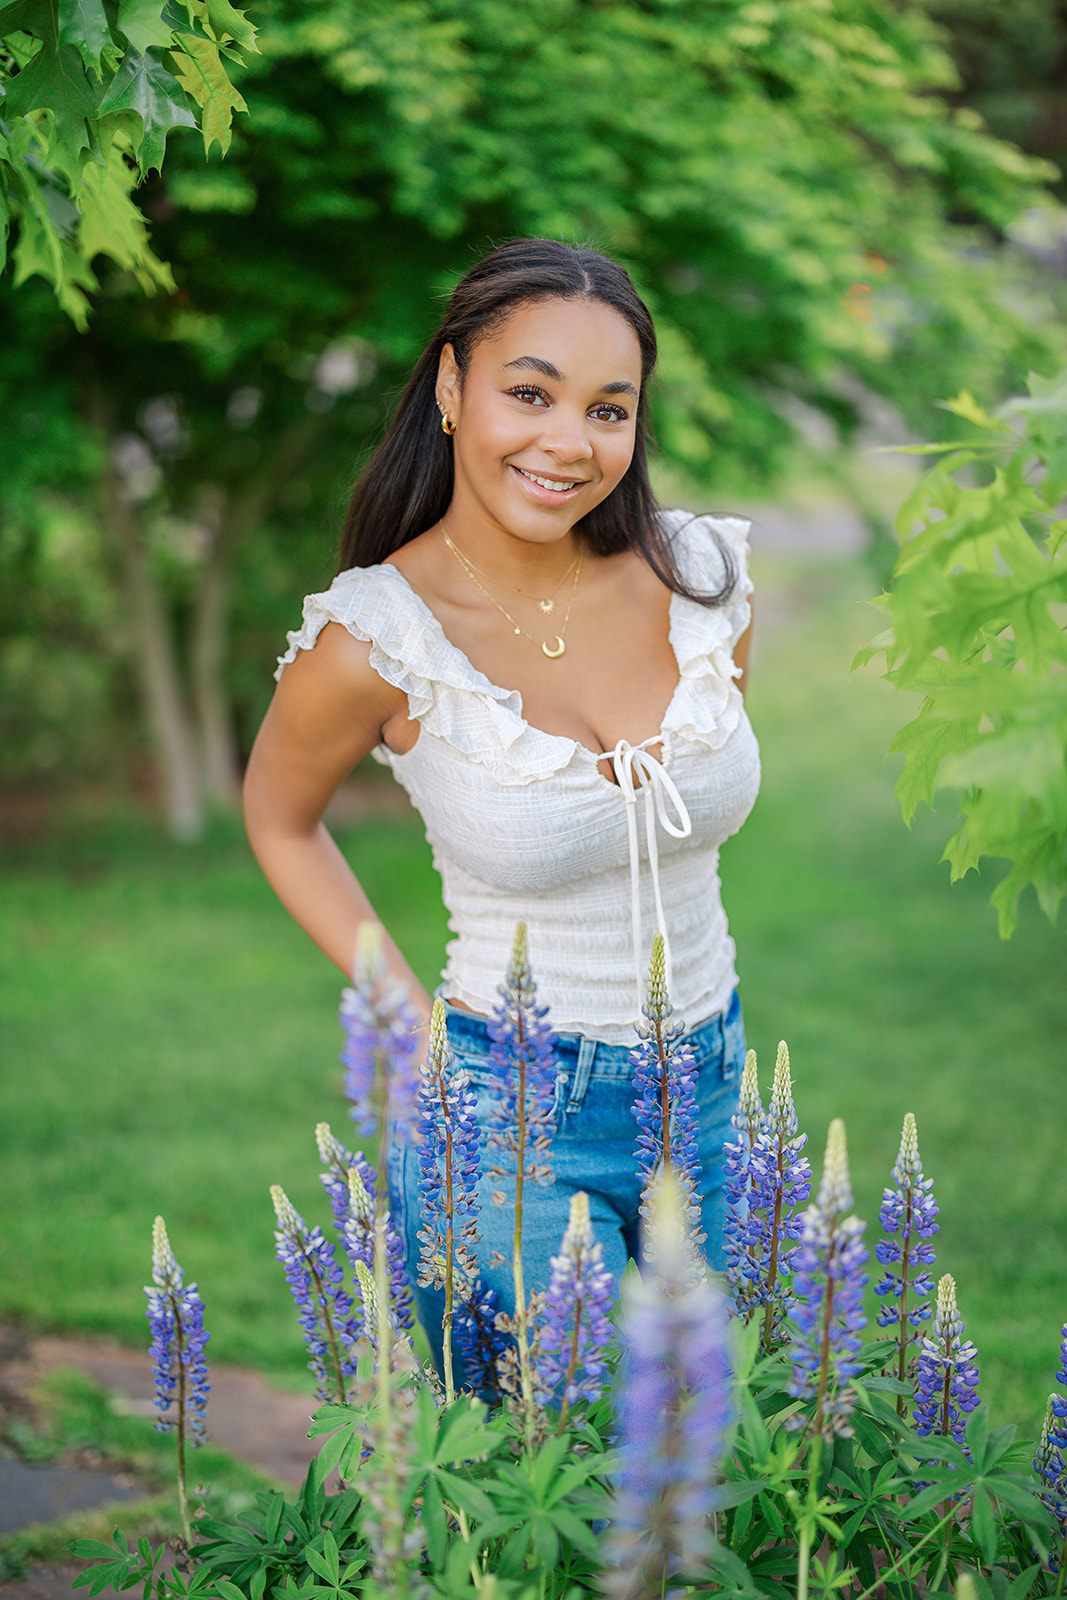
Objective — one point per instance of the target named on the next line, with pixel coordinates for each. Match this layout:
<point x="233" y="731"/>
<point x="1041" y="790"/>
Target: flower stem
<point x="183" y="1503"/>
<point x="450" y="1243"/>
<point x="522" y="1335"/>
<point x="887" y="1572"/>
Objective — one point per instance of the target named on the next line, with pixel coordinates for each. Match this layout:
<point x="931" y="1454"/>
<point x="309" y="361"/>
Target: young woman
<point x="539" y="654"/>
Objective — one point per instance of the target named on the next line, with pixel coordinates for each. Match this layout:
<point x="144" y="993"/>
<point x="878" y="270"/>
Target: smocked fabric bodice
<point x="524" y="826"/>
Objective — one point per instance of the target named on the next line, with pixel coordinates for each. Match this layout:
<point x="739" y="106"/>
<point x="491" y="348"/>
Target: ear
<point x="449" y="388"/>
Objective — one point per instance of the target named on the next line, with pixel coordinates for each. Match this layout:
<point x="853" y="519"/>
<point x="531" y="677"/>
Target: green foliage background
<point x="813" y="211"/>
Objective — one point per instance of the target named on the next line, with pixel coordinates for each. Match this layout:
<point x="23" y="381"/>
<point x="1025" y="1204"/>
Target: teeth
<point x="548" y="483"/>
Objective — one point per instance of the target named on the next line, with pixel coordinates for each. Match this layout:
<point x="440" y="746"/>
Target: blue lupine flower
<point x="946" y="1374"/>
<point x="666" y="1108"/>
<point x="449" y="1170"/>
<point x="909" y="1216"/>
<point x="781" y="1181"/>
<point x="349" y="1181"/>
<point x="381" y="1048"/>
<point x="316" y="1283"/>
<point x="522" y="1057"/>
<point x="176" y="1318"/>
<point x="674" y="1409"/>
<point x="478" y="1339"/>
<point x="571" y="1355"/>
<point x="1050" y="1464"/>
<point x="449" y="1164"/>
<point x="743" y="1245"/>
<point x="828" y="1285"/>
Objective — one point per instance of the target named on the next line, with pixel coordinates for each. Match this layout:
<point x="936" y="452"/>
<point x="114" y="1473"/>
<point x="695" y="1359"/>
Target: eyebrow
<point x="554" y="375"/>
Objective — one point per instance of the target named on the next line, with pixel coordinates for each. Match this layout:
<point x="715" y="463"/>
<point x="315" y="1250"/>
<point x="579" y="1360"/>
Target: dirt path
<point x="248" y="1417"/>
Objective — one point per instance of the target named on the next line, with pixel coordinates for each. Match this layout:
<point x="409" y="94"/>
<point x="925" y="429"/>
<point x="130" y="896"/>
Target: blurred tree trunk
<point x="166" y="711"/>
<point x="235" y="517"/>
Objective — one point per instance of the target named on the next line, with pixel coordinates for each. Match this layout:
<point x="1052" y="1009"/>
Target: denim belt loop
<point x="582" y="1071"/>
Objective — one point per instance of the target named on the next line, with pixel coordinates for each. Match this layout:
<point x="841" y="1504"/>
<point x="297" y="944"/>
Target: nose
<point x="567" y="438"/>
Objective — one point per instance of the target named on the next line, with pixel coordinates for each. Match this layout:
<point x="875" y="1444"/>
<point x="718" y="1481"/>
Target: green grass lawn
<point x="170" y="1040"/>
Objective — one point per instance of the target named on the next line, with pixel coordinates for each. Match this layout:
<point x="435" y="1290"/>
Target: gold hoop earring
<point x="447" y="425"/>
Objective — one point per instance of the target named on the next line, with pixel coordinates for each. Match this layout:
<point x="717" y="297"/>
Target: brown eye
<point x="607" y="413"/>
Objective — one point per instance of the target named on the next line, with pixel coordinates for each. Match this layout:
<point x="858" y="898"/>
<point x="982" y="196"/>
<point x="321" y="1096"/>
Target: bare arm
<point x="328" y="712"/>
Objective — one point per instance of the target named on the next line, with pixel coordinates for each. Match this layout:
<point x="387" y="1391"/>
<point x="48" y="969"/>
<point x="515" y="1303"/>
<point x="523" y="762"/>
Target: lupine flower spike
<point x="523" y="1060"/>
<point x="1050" y="1464"/>
<point x="781" y="1182"/>
<point x="381" y="1048"/>
<point x="743" y="1255"/>
<point x="349" y="1182"/>
<point x="176" y="1317"/>
<point x="674" y="1411"/>
<point x="571" y="1353"/>
<point x="946" y="1375"/>
<point x="828" y="1284"/>
<point x="449" y="1169"/>
<point x="665" y="1107"/>
<point x="325" y="1309"/>
<point x="909" y="1218"/>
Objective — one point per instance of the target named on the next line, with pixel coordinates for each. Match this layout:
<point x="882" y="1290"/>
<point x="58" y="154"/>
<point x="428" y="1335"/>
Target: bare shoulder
<point x="332" y="692"/>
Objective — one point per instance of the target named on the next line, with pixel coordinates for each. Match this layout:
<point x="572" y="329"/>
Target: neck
<point x="523" y="563"/>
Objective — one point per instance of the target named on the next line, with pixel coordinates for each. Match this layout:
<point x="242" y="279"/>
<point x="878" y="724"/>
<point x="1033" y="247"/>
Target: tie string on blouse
<point x="630" y="761"/>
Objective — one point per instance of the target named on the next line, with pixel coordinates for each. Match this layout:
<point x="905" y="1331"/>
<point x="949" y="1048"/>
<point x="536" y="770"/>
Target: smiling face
<point x="545" y="419"/>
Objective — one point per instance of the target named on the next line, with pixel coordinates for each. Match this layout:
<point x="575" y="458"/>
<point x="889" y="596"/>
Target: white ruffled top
<point x="524" y="826"/>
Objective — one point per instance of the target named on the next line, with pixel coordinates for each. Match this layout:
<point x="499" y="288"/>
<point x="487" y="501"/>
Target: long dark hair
<point x="407" y="485"/>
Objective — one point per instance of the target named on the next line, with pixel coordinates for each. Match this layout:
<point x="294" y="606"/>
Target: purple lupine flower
<point x="1050" y="1464"/>
<point x="479" y="1340"/>
<point x="674" y="1411"/>
<point x="176" y="1318"/>
<point x="946" y="1374"/>
<point x="742" y="1253"/>
<point x="522" y="1057"/>
<point x="781" y="1181"/>
<point x="665" y="1108"/>
<point x="909" y="1217"/>
<point x="449" y="1169"/>
<point x="576" y="1329"/>
<point x="381" y="1048"/>
<point x="828" y="1285"/>
<point x="316" y="1283"/>
<point x="349" y="1181"/>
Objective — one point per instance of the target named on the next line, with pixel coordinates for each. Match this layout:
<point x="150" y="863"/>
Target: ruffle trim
<point x="409" y="650"/>
<point x="707" y="704"/>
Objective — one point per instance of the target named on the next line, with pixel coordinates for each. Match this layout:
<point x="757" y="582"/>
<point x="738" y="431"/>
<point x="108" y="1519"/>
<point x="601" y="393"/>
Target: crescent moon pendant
<point x="558" y="651"/>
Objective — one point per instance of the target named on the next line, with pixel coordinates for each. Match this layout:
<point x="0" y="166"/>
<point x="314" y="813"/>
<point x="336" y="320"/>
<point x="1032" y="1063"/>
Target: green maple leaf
<point x="83" y="24"/>
<point x="227" y="22"/>
<point x="925" y="743"/>
<point x="143" y="85"/>
<point x="202" y="75"/>
<point x="144" y="24"/>
<point x="55" y="81"/>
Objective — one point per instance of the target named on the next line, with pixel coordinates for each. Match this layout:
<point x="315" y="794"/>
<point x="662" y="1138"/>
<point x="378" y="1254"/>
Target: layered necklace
<point x="554" y="649"/>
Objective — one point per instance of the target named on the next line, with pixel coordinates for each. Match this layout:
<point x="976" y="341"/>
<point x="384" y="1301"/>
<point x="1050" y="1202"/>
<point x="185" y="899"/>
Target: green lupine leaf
<point x="983" y="1526"/>
<point x="434" y="1523"/>
<point x="325" y="1562"/>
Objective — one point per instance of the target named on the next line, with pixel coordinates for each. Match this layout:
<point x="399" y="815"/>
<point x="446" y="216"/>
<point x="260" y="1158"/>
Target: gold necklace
<point x="552" y="652"/>
<point x="547" y="605"/>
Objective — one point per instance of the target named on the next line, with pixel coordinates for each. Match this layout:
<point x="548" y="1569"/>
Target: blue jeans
<point x="592" y="1149"/>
